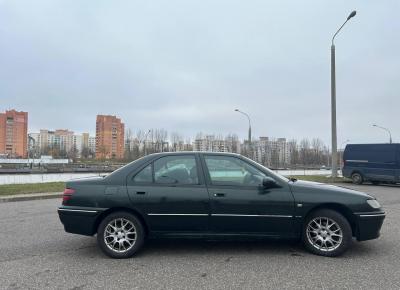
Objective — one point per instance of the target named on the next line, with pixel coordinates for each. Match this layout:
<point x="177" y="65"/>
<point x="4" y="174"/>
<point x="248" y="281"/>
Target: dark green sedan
<point x="201" y="194"/>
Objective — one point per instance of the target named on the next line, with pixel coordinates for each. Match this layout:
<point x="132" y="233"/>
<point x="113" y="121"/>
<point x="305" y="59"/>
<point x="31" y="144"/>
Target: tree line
<point x="304" y="153"/>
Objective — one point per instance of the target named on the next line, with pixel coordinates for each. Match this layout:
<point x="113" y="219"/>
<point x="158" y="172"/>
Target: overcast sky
<point x="186" y="65"/>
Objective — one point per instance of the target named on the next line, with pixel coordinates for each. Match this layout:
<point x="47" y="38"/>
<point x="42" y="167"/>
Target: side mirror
<point x="268" y="182"/>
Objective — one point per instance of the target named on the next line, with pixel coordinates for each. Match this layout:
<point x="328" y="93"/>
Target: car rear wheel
<point x="327" y="233"/>
<point x="120" y="235"/>
<point x="357" y="178"/>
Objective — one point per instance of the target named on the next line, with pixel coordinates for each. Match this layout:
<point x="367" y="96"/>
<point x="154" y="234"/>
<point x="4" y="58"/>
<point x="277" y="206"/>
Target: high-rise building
<point x="60" y="143"/>
<point x="272" y="152"/>
<point x="92" y="143"/>
<point x="65" y="140"/>
<point x="109" y="137"/>
<point x="216" y="144"/>
<point x="14" y="134"/>
<point x="85" y="140"/>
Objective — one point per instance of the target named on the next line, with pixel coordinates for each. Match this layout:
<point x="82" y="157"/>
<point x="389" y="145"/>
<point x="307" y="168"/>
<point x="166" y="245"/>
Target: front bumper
<point x="80" y="221"/>
<point x="369" y="225"/>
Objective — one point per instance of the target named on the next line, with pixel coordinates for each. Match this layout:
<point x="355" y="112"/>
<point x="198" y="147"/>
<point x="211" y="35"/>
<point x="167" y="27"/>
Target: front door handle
<point x="140" y="192"/>
<point x="219" y="194"/>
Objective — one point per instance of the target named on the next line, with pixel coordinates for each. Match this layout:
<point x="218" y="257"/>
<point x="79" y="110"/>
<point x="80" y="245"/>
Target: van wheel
<point x="357" y="178"/>
<point x="120" y="235"/>
<point x="327" y="233"/>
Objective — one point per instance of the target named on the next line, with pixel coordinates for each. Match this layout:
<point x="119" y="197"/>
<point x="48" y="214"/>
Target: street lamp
<point x="144" y="144"/>
<point x="386" y="129"/>
<point x="333" y="99"/>
<point x="248" y="118"/>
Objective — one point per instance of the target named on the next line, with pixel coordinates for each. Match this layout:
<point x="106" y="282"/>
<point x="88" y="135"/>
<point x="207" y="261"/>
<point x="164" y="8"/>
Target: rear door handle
<point x="140" y="192"/>
<point x="219" y="194"/>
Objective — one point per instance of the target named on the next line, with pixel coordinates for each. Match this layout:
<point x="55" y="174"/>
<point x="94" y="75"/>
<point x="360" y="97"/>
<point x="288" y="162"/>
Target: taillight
<point x="68" y="192"/>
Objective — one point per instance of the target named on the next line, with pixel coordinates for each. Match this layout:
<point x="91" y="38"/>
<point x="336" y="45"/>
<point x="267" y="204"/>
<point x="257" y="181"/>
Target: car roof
<point x="195" y="152"/>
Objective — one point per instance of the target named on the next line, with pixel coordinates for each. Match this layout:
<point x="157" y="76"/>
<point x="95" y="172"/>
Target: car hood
<point x="301" y="185"/>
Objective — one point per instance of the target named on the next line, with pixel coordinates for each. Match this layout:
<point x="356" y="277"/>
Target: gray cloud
<point x="186" y="65"/>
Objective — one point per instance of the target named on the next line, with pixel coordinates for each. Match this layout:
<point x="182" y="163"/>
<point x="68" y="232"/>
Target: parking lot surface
<point x="35" y="252"/>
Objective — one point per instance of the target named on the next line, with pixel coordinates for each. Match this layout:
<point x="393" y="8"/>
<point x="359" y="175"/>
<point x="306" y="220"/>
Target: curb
<point x="33" y="196"/>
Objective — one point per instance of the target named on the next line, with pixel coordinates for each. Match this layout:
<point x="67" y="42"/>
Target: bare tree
<point x="176" y="141"/>
<point x="304" y="151"/>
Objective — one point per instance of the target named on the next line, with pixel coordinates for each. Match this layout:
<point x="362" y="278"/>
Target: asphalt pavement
<point x="36" y="253"/>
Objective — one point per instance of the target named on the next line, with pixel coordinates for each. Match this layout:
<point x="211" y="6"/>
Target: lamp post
<point x="144" y="144"/>
<point x="333" y="99"/>
<point x="386" y="129"/>
<point x="248" y="118"/>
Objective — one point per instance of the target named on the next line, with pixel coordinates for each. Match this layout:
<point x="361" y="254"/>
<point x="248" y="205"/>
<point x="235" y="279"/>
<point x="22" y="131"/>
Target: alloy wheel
<point x="120" y="235"/>
<point x="324" y="234"/>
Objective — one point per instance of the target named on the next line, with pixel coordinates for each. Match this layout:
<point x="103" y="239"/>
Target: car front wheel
<point x="327" y="233"/>
<point x="120" y="235"/>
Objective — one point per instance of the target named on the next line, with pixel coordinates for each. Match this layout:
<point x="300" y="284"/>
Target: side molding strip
<point x="220" y="214"/>
<point x="253" y="215"/>
<point x="77" y="210"/>
<point x="178" y="214"/>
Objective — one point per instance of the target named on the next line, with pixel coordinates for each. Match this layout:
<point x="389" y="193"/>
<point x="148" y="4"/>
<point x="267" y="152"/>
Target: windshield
<point x="268" y="171"/>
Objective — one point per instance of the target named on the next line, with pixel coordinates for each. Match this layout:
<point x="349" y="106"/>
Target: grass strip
<point x="13" y="189"/>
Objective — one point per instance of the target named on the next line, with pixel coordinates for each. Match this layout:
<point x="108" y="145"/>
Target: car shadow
<point x="172" y="247"/>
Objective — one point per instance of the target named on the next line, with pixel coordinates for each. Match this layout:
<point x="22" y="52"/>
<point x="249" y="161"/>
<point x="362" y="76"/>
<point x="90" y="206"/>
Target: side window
<point x="144" y="176"/>
<point x="226" y="170"/>
<point x="176" y="170"/>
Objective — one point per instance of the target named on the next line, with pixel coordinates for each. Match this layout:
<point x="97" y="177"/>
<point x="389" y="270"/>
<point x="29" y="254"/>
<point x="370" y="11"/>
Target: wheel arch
<point x="357" y="171"/>
<point x="123" y="209"/>
<point x="340" y="208"/>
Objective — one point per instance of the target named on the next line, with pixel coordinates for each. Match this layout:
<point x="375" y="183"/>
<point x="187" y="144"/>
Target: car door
<point x="171" y="193"/>
<point x="239" y="202"/>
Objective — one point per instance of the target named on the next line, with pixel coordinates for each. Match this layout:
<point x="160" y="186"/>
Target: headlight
<point x="373" y="203"/>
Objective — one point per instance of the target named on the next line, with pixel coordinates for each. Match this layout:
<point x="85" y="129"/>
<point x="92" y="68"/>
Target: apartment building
<point x="14" y="134"/>
<point x="109" y="137"/>
<point x="89" y="142"/>
<point x="59" y="143"/>
<point x="92" y="144"/>
<point x="210" y="143"/>
<point x="274" y="153"/>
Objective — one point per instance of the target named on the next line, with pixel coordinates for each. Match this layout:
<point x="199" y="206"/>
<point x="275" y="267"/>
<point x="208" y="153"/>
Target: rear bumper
<point x="369" y="225"/>
<point x="80" y="221"/>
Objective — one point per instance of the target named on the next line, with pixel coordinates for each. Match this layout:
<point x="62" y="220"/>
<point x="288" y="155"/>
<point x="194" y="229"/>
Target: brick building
<point x="109" y="137"/>
<point x="14" y="134"/>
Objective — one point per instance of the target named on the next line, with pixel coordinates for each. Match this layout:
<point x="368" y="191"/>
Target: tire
<point x="323" y="242"/>
<point x="357" y="178"/>
<point x="124" y="235"/>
